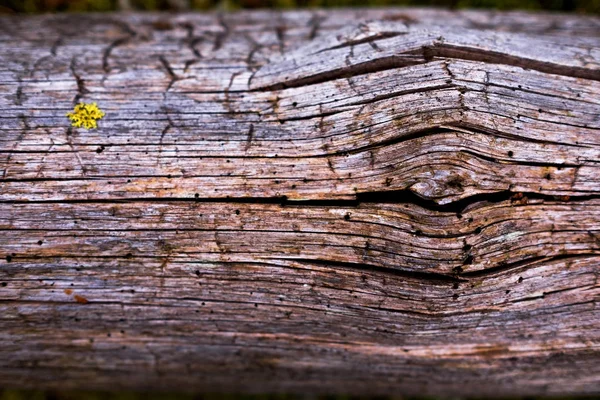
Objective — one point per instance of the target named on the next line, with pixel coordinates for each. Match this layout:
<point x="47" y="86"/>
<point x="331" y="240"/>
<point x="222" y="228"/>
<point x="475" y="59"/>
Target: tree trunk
<point x="365" y="202"/>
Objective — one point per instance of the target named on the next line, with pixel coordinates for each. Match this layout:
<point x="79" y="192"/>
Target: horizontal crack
<point x="393" y="270"/>
<point x="377" y="65"/>
<point x="370" y="39"/>
<point x="428" y="53"/>
<point x="401" y="93"/>
<point x="482" y="55"/>
<point x="506" y="267"/>
<point x="380" y="197"/>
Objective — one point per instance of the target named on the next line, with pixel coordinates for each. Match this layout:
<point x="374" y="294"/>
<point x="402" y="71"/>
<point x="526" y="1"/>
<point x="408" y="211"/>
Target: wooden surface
<point x="366" y="202"/>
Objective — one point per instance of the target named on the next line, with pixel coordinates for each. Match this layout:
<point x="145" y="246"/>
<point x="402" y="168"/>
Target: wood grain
<point x="353" y="201"/>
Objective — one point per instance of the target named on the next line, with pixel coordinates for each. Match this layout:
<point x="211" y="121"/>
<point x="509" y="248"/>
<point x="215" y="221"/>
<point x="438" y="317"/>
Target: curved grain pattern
<point x="360" y="201"/>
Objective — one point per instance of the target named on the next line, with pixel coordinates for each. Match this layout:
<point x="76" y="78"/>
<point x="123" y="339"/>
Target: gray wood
<point x="390" y="201"/>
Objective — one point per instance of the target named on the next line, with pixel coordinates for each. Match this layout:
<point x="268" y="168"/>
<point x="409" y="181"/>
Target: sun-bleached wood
<point x="352" y="201"/>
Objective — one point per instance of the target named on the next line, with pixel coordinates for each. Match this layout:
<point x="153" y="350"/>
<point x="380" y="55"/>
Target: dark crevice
<point x="486" y="130"/>
<point x="392" y="141"/>
<point x="280" y="32"/>
<point x="448" y="128"/>
<point x="250" y="137"/>
<point x="407" y="196"/>
<point x="58" y="42"/>
<point x="22" y="133"/>
<point x="432" y="277"/>
<point x="370" y="39"/>
<point x="312" y="116"/>
<point x="167" y="66"/>
<point x="377" y="65"/>
<point x="165" y="130"/>
<point x="383" y="197"/>
<point x="192" y="45"/>
<point x="445" y="50"/>
<point x="505" y="267"/>
<point x="519" y="162"/>
<point x="399" y="93"/>
<point x="110" y="48"/>
<point x="36" y="65"/>
<point x="222" y="35"/>
<point x="81" y="89"/>
<point x="544" y="294"/>
<point x="19" y="94"/>
<point x="250" y="58"/>
<point x="192" y="40"/>
<point x="427" y="54"/>
<point x="315" y="24"/>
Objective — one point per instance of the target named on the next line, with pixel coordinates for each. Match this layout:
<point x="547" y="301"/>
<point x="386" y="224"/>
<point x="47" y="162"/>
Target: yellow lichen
<point x="85" y="115"/>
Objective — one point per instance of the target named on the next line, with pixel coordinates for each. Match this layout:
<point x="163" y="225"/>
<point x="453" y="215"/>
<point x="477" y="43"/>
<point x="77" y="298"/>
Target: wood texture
<point x="366" y="202"/>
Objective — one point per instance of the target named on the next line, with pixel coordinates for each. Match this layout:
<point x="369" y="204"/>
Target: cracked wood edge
<point x="378" y="45"/>
<point x="335" y="139"/>
<point x="421" y="213"/>
<point x="402" y="238"/>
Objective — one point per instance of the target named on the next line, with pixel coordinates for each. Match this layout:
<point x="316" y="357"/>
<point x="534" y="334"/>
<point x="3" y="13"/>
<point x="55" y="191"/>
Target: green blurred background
<point x="39" y="395"/>
<point x="91" y="395"/>
<point x="36" y="6"/>
<point x="75" y="395"/>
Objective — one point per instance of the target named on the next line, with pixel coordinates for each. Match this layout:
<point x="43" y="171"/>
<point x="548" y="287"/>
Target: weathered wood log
<point x="368" y="201"/>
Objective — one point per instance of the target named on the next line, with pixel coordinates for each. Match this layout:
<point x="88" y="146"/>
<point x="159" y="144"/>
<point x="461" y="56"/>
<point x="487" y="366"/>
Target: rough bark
<point x="369" y="202"/>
